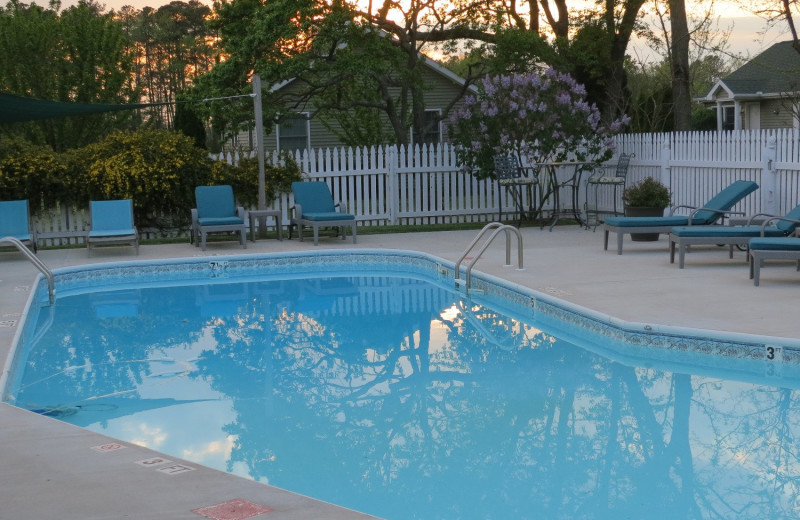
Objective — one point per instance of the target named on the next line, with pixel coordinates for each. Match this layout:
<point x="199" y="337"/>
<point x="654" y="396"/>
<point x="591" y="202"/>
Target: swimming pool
<point x="365" y="380"/>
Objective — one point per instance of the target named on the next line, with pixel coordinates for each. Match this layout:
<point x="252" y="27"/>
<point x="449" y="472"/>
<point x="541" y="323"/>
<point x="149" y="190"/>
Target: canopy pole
<point x="262" y="202"/>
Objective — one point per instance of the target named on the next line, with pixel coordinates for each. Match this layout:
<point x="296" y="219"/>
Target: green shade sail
<point x="14" y="109"/>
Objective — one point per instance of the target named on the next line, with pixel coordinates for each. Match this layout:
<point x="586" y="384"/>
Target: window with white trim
<point x="294" y="132"/>
<point x="431" y="127"/>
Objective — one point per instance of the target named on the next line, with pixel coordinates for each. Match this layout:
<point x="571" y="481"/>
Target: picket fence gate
<point x="390" y="185"/>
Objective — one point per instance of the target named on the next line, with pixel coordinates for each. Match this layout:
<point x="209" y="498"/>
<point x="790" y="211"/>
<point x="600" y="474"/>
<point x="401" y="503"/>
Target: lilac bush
<point x="536" y="117"/>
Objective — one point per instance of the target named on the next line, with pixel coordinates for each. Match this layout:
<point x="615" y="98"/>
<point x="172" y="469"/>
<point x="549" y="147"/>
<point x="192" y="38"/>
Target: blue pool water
<point x="372" y="384"/>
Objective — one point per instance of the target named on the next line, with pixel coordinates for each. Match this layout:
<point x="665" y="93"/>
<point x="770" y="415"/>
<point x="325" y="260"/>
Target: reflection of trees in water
<point x="388" y="406"/>
<point x="392" y="424"/>
<point x="72" y="361"/>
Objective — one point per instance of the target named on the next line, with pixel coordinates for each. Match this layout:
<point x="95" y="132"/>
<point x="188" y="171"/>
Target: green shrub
<point x="158" y="169"/>
<point x="647" y="194"/>
<point x="244" y="178"/>
<point x="33" y="172"/>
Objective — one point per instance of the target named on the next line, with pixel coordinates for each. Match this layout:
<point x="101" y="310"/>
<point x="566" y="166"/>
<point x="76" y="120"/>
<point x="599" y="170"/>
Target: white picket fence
<point x="395" y="186"/>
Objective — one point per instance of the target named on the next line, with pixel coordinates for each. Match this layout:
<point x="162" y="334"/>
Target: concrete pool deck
<point x="54" y="470"/>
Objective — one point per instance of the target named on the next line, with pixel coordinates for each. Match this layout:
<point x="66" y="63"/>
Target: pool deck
<point x="54" y="470"/>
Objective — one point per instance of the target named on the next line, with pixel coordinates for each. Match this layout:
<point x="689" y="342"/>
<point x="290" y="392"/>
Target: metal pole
<point x="262" y="201"/>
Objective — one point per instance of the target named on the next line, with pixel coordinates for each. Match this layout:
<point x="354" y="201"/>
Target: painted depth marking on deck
<point x="175" y="469"/>
<point x="155" y="461"/>
<point x="105" y="448"/>
<point x="236" y="509"/>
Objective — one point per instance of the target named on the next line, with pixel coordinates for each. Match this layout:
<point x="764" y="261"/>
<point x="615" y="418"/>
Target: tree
<point x="777" y="12"/>
<point x="370" y="57"/>
<point x="78" y="55"/>
<point x="552" y="122"/>
<point x="173" y="45"/>
<point x="679" y="64"/>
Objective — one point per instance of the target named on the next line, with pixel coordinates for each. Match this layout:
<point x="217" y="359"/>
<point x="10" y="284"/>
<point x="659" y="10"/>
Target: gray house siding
<point x="439" y="94"/>
<point x="775" y="114"/>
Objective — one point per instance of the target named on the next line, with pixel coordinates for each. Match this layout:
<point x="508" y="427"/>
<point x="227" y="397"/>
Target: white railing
<point x="391" y="185"/>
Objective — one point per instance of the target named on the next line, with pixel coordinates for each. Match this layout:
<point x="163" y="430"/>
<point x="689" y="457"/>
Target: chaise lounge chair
<point x="710" y="213"/>
<point x="314" y="207"/>
<point x="216" y="212"/>
<point x="681" y="238"/>
<point x="772" y="248"/>
<point x="111" y="223"/>
<point x="15" y="222"/>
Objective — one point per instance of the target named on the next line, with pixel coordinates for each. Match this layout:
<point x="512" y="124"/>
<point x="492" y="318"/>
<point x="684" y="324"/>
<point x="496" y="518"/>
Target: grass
<point x="362" y="230"/>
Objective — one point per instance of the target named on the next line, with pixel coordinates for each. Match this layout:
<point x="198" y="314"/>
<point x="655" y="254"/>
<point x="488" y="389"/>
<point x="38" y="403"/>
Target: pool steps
<point x="466" y="282"/>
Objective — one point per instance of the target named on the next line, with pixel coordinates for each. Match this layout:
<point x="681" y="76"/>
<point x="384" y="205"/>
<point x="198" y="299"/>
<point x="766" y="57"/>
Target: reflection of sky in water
<point x="394" y="397"/>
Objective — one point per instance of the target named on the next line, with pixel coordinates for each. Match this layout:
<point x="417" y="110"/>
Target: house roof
<point x="428" y="62"/>
<point x="774" y="71"/>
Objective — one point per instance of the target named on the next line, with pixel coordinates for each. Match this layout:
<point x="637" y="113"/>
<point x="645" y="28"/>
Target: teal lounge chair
<point x="772" y="248"/>
<point x="216" y="212"/>
<point x="314" y="206"/>
<point x="15" y="222"/>
<point x="680" y="238"/>
<point x="111" y="223"/>
<point x="710" y="213"/>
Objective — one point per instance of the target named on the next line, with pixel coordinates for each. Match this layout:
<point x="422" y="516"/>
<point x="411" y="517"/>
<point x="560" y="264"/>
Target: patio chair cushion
<point x="330" y="215"/>
<point x="775" y="244"/>
<point x="725" y="231"/>
<point x="220" y="221"/>
<point x="315" y="199"/>
<point x="215" y="202"/>
<point x="640" y="222"/>
<point x="111" y="232"/>
<point x="724" y="200"/>
<point x="14" y="219"/>
<point x="782" y="228"/>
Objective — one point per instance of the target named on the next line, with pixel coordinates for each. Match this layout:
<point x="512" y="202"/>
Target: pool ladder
<point x="51" y="285"/>
<point x="496" y="228"/>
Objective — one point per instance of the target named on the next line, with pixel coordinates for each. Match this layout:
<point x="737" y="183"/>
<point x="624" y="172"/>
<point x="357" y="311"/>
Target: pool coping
<point x="574" y="322"/>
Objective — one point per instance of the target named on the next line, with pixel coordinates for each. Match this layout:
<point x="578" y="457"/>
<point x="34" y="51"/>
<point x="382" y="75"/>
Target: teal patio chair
<point x="15" y="222"/>
<point x="772" y="248"/>
<point x="111" y="224"/>
<point x="216" y="212"/>
<point x="680" y="238"/>
<point x="708" y="214"/>
<point x="314" y="207"/>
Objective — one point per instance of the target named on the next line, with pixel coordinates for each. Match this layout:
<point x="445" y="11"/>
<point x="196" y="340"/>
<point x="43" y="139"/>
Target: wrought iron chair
<point x="512" y="176"/>
<point x="603" y="178"/>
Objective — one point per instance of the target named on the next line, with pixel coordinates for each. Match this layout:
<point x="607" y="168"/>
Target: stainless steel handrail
<point x="497" y="227"/>
<point x="51" y="284"/>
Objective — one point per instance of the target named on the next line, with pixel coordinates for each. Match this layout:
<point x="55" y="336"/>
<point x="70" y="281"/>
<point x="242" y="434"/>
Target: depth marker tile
<point x="236" y="509"/>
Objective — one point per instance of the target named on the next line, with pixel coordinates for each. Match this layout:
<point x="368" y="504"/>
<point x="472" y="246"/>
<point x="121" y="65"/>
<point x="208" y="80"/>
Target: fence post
<point x="666" y="159"/>
<point x="393" y="183"/>
<point x="769" y="185"/>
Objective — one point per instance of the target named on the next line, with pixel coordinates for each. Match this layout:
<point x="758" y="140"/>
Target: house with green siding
<point x="763" y="93"/>
<point x="301" y="129"/>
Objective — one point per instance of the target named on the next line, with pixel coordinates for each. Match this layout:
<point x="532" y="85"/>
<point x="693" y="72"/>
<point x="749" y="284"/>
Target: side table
<point x="255" y="214"/>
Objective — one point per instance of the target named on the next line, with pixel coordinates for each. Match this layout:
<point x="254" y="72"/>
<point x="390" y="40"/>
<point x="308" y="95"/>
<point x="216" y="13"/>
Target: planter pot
<point x="632" y="211"/>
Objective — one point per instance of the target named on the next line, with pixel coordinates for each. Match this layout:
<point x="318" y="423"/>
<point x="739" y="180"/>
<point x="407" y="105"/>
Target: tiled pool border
<point x="574" y="321"/>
